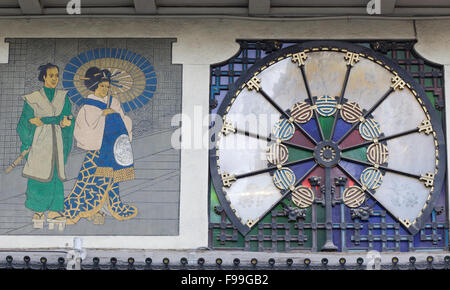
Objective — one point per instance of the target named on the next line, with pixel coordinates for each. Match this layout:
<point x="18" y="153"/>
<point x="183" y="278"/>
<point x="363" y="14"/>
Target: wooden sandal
<point x="57" y="220"/>
<point x="98" y="218"/>
<point x="38" y="220"/>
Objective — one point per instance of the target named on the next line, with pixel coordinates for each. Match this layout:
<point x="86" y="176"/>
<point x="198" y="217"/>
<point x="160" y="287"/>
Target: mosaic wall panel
<point x="122" y="174"/>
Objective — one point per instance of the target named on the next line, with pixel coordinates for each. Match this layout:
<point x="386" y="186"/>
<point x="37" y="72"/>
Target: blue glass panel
<point x="352" y="168"/>
<point x="341" y="128"/>
<point x="311" y="128"/>
<point x="301" y="169"/>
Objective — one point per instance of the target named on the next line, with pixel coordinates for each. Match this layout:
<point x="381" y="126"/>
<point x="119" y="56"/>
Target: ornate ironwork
<point x="328" y="224"/>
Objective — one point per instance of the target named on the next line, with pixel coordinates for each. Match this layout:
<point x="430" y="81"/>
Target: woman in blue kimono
<point x="104" y="131"/>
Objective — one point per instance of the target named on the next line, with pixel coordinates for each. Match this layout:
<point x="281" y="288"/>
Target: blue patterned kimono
<point x="101" y="172"/>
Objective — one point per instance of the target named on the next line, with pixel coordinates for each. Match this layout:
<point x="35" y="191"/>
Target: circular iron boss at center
<point x="327" y="154"/>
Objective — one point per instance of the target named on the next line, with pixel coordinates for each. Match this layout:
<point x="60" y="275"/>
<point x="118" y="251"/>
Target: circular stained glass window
<point x="310" y="114"/>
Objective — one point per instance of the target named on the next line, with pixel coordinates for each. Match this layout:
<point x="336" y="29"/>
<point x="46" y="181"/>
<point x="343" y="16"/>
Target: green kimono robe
<point x="44" y="195"/>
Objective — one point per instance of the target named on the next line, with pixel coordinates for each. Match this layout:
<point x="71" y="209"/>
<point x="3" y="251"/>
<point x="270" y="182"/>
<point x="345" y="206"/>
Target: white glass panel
<point x="283" y="82"/>
<point x="414" y="153"/>
<point x="399" y="112"/>
<point x="241" y="154"/>
<point x="325" y="72"/>
<point x="402" y="196"/>
<point x="367" y="83"/>
<point x="250" y="111"/>
<point x="252" y="196"/>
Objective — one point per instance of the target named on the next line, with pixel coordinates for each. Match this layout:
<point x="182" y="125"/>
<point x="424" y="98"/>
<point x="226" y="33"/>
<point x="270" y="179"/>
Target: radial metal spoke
<point x="374" y="107"/>
<point x="366" y="190"/>
<point x="380" y="167"/>
<point x="272" y="168"/>
<point x="382" y="139"/>
<point x="253" y="135"/>
<point x="268" y="139"/>
<point x="286" y="115"/>
<point x="329" y="245"/>
<point x="288" y="191"/>
<point x="308" y="91"/>
<point x="341" y="98"/>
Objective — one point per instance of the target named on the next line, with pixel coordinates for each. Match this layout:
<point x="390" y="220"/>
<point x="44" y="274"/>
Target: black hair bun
<point x="95" y="76"/>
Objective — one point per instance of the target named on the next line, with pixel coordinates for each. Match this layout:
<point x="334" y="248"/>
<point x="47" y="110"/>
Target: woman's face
<point x="102" y="90"/>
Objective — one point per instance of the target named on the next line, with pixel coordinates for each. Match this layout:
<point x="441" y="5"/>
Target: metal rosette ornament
<point x="133" y="78"/>
<point x="278" y="154"/>
<point x="377" y="153"/>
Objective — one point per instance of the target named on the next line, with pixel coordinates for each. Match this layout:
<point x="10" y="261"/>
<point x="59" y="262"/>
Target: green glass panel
<point x="358" y="153"/>
<point x="213" y="217"/>
<point x="320" y="214"/>
<point x="326" y="123"/>
<point x="400" y="54"/>
<point x="253" y="246"/>
<point x="254" y="231"/>
<point x="216" y="243"/>
<point x="297" y="154"/>
<point x="281" y="247"/>
<point x="433" y="102"/>
<point x="321" y="234"/>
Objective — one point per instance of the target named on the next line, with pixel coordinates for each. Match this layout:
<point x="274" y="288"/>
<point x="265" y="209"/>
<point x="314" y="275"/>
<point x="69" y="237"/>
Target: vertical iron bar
<point x="329" y="245"/>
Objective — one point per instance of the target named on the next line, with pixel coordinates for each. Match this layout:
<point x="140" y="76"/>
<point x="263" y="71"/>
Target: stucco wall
<point x="200" y="43"/>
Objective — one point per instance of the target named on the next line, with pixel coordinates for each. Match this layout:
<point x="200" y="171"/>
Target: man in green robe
<point x="46" y="129"/>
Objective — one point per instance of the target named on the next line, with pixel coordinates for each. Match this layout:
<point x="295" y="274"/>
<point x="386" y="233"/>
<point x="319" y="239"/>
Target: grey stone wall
<point x="155" y="191"/>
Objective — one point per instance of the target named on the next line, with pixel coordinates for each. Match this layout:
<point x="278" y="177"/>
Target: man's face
<point x="52" y="77"/>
